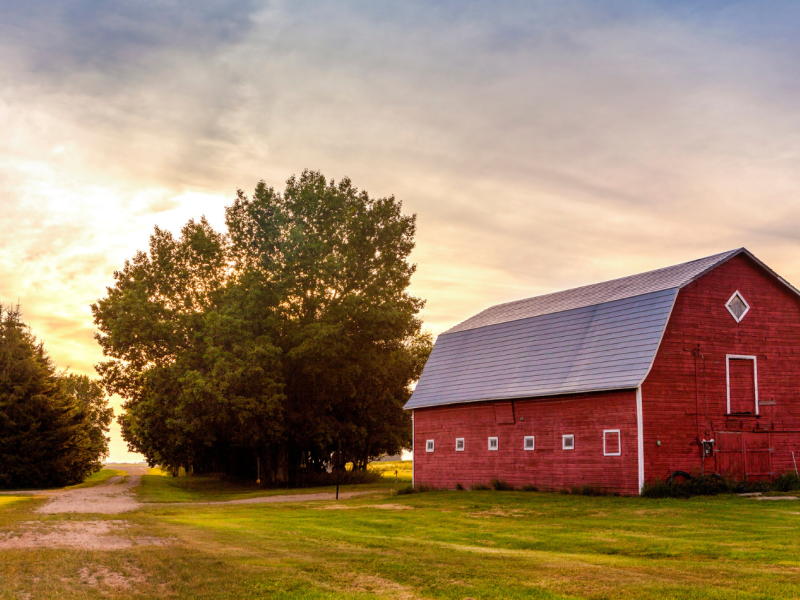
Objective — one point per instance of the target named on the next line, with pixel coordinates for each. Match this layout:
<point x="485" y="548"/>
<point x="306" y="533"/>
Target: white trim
<point x="661" y="338"/>
<point x="619" y="442"/>
<point x="496" y="444"/>
<point x="640" y="436"/>
<point x="564" y="441"/>
<point x="463" y="445"/>
<point x="551" y="395"/>
<point x="525" y="442"/>
<point x="413" y="446"/>
<point x="429" y="445"/>
<point x="728" y="358"/>
<point x="746" y="306"/>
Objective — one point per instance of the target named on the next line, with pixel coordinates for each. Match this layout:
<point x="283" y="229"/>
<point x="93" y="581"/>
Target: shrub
<point x="499" y="485"/>
<point x="406" y="489"/>
<point x="787" y="483"/>
<point x="425" y="488"/>
<point x="480" y="487"/>
<point x="686" y="486"/>
<point x="459" y="487"/>
<point x="529" y="488"/>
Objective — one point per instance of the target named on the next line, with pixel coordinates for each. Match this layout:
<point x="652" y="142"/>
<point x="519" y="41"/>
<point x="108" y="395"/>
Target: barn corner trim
<point x="640" y="436"/>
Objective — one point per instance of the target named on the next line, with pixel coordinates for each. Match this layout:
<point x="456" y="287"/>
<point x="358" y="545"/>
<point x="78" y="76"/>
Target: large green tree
<point x="52" y="426"/>
<point x="289" y="336"/>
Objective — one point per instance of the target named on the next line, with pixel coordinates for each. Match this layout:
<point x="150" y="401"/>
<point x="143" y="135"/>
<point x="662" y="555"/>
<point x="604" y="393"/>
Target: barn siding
<point x="672" y="391"/>
<point x="548" y="466"/>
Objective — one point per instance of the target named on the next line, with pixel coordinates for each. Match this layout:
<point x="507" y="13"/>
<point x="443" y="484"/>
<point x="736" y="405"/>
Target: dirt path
<point x="116" y="496"/>
<point x="109" y="498"/>
<point x="272" y="499"/>
<point x="113" y="497"/>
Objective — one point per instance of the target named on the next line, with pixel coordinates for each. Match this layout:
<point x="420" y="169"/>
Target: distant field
<point x="387" y="470"/>
<point x="444" y="545"/>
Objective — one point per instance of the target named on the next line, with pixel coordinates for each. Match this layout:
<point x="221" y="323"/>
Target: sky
<point x="542" y="145"/>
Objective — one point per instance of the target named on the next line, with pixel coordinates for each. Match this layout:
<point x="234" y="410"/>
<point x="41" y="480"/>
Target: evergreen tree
<point x="47" y="435"/>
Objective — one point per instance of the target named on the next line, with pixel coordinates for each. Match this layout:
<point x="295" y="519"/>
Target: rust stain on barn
<point x="691" y="367"/>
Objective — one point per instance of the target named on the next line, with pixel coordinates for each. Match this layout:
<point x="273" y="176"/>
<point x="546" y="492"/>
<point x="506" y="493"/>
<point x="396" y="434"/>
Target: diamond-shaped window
<point x="737" y="306"/>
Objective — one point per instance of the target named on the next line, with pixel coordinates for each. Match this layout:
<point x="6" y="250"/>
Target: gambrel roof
<point x="597" y="337"/>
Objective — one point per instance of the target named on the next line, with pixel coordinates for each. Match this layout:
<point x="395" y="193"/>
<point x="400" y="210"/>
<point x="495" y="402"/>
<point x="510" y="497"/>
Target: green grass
<point x="448" y="545"/>
<point x="196" y="488"/>
<point x="97" y="478"/>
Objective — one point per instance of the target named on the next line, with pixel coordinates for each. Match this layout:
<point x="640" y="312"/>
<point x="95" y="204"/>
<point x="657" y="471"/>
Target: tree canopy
<point x="52" y="425"/>
<point x="288" y="335"/>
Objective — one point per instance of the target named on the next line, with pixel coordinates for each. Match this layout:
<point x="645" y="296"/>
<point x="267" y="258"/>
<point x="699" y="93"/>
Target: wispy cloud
<point x="543" y="145"/>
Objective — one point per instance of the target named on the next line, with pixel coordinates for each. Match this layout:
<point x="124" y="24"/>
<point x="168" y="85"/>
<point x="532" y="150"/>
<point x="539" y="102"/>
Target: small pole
<point x="795" y="464"/>
<point x="258" y="469"/>
<point x="338" y="463"/>
<point x="395" y="477"/>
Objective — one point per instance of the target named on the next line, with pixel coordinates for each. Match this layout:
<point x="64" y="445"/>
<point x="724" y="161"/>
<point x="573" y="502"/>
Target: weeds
<point x="713" y="485"/>
<point x="499" y="485"/>
<point x="480" y="487"/>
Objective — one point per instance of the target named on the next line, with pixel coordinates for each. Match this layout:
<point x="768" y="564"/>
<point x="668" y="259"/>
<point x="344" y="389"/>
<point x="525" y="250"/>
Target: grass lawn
<point x="451" y="545"/>
<point x="160" y="486"/>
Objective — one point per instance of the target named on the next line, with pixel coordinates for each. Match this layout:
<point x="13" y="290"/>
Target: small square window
<point x="492" y="443"/>
<point x="429" y="446"/>
<point x="530" y="442"/>
<point x="612" y="445"/>
<point x="568" y="442"/>
<point x="459" y="444"/>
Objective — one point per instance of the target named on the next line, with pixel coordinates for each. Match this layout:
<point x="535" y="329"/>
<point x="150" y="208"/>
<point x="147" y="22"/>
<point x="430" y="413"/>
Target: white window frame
<point x="463" y="445"/>
<point x="728" y="358"/>
<point x="429" y="445"/>
<point x="564" y="441"/>
<point x="746" y="306"/>
<point x="619" y="442"/>
<point x="525" y="442"/>
<point x="496" y="444"/>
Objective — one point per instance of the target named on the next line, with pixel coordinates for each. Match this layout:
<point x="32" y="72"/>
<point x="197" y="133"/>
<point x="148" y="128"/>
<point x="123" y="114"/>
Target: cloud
<point x="542" y="145"/>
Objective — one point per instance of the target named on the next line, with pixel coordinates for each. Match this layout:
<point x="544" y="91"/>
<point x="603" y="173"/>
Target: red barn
<point x="692" y="367"/>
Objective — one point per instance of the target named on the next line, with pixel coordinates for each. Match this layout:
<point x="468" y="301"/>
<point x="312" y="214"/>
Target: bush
<point x="406" y="489"/>
<point x="480" y="487"/>
<point x="499" y="485"/>
<point x="787" y="483"/>
<point x="529" y="488"/>
<point x="459" y="487"/>
<point x="684" y="485"/>
<point x="425" y="488"/>
<point x="704" y="485"/>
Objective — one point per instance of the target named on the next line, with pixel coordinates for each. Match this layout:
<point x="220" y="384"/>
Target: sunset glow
<point x="542" y="146"/>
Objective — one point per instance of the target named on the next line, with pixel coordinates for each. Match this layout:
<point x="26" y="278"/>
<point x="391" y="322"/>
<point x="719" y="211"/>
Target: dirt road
<point x="109" y="498"/>
<point x="116" y="496"/>
<point x="112" y="497"/>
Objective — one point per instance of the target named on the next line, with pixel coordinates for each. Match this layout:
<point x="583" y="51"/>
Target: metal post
<point x="258" y="469"/>
<point x="338" y="464"/>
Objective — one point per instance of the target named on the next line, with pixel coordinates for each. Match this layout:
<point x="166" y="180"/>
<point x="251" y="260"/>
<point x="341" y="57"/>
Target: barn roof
<point x="596" y="337"/>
